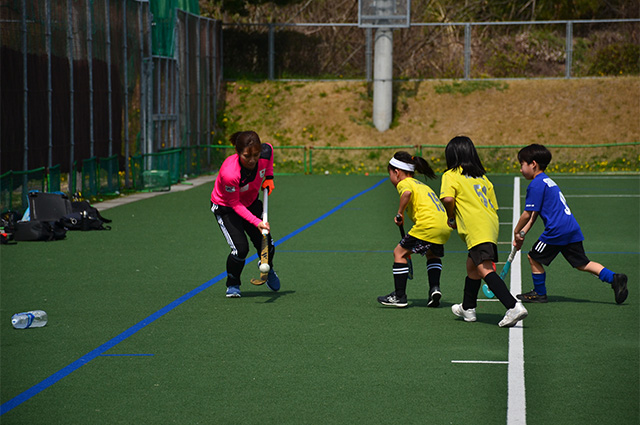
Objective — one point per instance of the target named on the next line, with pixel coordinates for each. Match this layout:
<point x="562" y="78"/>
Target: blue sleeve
<point x="535" y="196"/>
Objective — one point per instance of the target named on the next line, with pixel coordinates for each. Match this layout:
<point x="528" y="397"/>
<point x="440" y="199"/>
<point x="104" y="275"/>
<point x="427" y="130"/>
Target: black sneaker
<point x="532" y="297"/>
<point x="434" y="297"/>
<point x="619" y="286"/>
<point x="393" y="300"/>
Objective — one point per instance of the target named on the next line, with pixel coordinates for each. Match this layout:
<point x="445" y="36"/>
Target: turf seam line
<point x="97" y="352"/>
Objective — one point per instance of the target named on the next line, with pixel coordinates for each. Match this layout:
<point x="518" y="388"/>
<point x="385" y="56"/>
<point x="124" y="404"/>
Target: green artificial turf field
<point x="140" y="330"/>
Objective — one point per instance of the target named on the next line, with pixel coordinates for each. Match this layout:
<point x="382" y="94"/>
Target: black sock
<point x="471" y="288"/>
<point x="434" y="270"/>
<point x="499" y="288"/>
<point x="400" y="275"/>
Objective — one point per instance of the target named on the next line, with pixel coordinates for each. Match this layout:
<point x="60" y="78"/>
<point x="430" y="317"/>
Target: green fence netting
<point x="54" y="179"/>
<point x="90" y="177"/>
<point x="164" y="13"/>
<point x="108" y="175"/>
<point x="15" y="185"/>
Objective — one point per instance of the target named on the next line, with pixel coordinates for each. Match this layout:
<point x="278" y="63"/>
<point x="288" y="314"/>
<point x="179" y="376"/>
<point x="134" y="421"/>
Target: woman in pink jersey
<point x="237" y="207"/>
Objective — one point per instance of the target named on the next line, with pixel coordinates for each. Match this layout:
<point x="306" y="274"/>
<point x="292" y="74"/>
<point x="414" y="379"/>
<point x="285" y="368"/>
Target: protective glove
<point x="268" y="184"/>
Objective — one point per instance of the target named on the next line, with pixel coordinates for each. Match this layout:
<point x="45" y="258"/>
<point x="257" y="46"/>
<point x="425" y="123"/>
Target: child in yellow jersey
<point x="468" y="196"/>
<point x="429" y="233"/>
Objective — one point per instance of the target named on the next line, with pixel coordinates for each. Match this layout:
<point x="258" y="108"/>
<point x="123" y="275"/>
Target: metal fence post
<point x="107" y="29"/>
<point x="90" y="65"/>
<point x="143" y="89"/>
<point x="271" y="37"/>
<point x="149" y="105"/>
<point x="49" y="86"/>
<point x="207" y="72"/>
<point x="126" y="93"/>
<point x="187" y="80"/>
<point x="467" y="51"/>
<point x="198" y="84"/>
<point x="72" y="140"/>
<point x="368" y="52"/>
<point x="569" y="50"/>
<point x="25" y="93"/>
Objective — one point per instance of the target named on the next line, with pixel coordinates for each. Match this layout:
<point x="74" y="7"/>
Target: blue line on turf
<point x="64" y="372"/>
<point x="126" y="355"/>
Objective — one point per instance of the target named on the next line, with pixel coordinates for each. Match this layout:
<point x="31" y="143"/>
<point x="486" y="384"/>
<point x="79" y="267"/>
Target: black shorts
<point x="544" y="253"/>
<point x="418" y="246"/>
<point x="483" y="252"/>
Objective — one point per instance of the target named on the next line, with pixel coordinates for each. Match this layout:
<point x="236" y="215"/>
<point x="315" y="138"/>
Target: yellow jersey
<point x="426" y="211"/>
<point x="476" y="206"/>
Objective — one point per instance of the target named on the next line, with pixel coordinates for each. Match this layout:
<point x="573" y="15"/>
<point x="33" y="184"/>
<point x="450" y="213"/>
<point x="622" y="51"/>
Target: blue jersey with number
<point x="545" y="197"/>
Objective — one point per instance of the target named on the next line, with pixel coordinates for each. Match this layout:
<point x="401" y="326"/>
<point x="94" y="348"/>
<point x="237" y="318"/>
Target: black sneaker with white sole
<point x="434" y="297"/>
<point x="393" y="300"/>
<point x="619" y="286"/>
<point x="532" y="297"/>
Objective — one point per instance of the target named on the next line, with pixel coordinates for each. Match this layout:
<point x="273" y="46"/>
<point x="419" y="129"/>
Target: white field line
<point x="604" y="196"/>
<point x="516" y="400"/>
<point x="598" y="177"/>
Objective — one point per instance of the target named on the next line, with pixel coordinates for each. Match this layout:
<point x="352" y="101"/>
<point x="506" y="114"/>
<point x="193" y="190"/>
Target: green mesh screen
<point x="53" y="179"/>
<point x="164" y="13"/>
<point x="90" y="177"/>
<point x="15" y="185"/>
<point x="108" y="175"/>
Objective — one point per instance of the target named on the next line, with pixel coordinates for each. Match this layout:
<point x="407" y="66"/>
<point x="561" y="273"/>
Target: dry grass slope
<point x="517" y="112"/>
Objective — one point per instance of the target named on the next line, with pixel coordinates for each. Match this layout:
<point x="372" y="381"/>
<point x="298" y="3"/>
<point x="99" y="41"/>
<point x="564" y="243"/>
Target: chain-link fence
<point x="80" y="85"/>
<point x="474" y="50"/>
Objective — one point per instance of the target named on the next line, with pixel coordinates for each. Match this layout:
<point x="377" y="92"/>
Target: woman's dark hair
<point x="243" y="139"/>
<point x="421" y="164"/>
<point x="460" y="152"/>
<point x="537" y="153"/>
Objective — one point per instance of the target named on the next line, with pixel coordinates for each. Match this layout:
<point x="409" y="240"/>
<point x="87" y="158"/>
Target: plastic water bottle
<point x="29" y="319"/>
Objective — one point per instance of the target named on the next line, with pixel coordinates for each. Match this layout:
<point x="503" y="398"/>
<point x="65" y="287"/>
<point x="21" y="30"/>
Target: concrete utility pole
<point x="383" y="79"/>
<point x="384" y="15"/>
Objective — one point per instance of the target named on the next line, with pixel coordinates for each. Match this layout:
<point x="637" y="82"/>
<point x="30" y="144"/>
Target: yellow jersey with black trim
<point x="426" y="211"/>
<point x="476" y="206"/>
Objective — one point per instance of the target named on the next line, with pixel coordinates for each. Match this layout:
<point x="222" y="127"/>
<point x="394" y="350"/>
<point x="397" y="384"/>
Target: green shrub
<point x="617" y="59"/>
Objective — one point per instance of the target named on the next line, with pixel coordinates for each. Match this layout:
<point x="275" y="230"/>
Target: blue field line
<point x="126" y="355"/>
<point x="64" y="372"/>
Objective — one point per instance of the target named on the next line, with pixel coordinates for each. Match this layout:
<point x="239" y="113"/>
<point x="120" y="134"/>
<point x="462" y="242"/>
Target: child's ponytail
<point x="422" y="166"/>
<point x="419" y="164"/>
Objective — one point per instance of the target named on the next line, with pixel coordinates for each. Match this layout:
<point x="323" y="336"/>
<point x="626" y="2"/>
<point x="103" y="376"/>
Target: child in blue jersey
<point x="427" y="236"/>
<point x="561" y="234"/>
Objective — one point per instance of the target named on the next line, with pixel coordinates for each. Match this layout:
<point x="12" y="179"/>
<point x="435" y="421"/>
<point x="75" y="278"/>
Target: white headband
<point x="402" y="165"/>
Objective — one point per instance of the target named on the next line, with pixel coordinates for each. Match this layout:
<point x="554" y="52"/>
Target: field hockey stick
<point x="505" y="269"/>
<point x="264" y="252"/>
<point x="409" y="262"/>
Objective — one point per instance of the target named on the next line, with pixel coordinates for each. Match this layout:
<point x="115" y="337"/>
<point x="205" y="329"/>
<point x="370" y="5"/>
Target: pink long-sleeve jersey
<point x="238" y="188"/>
